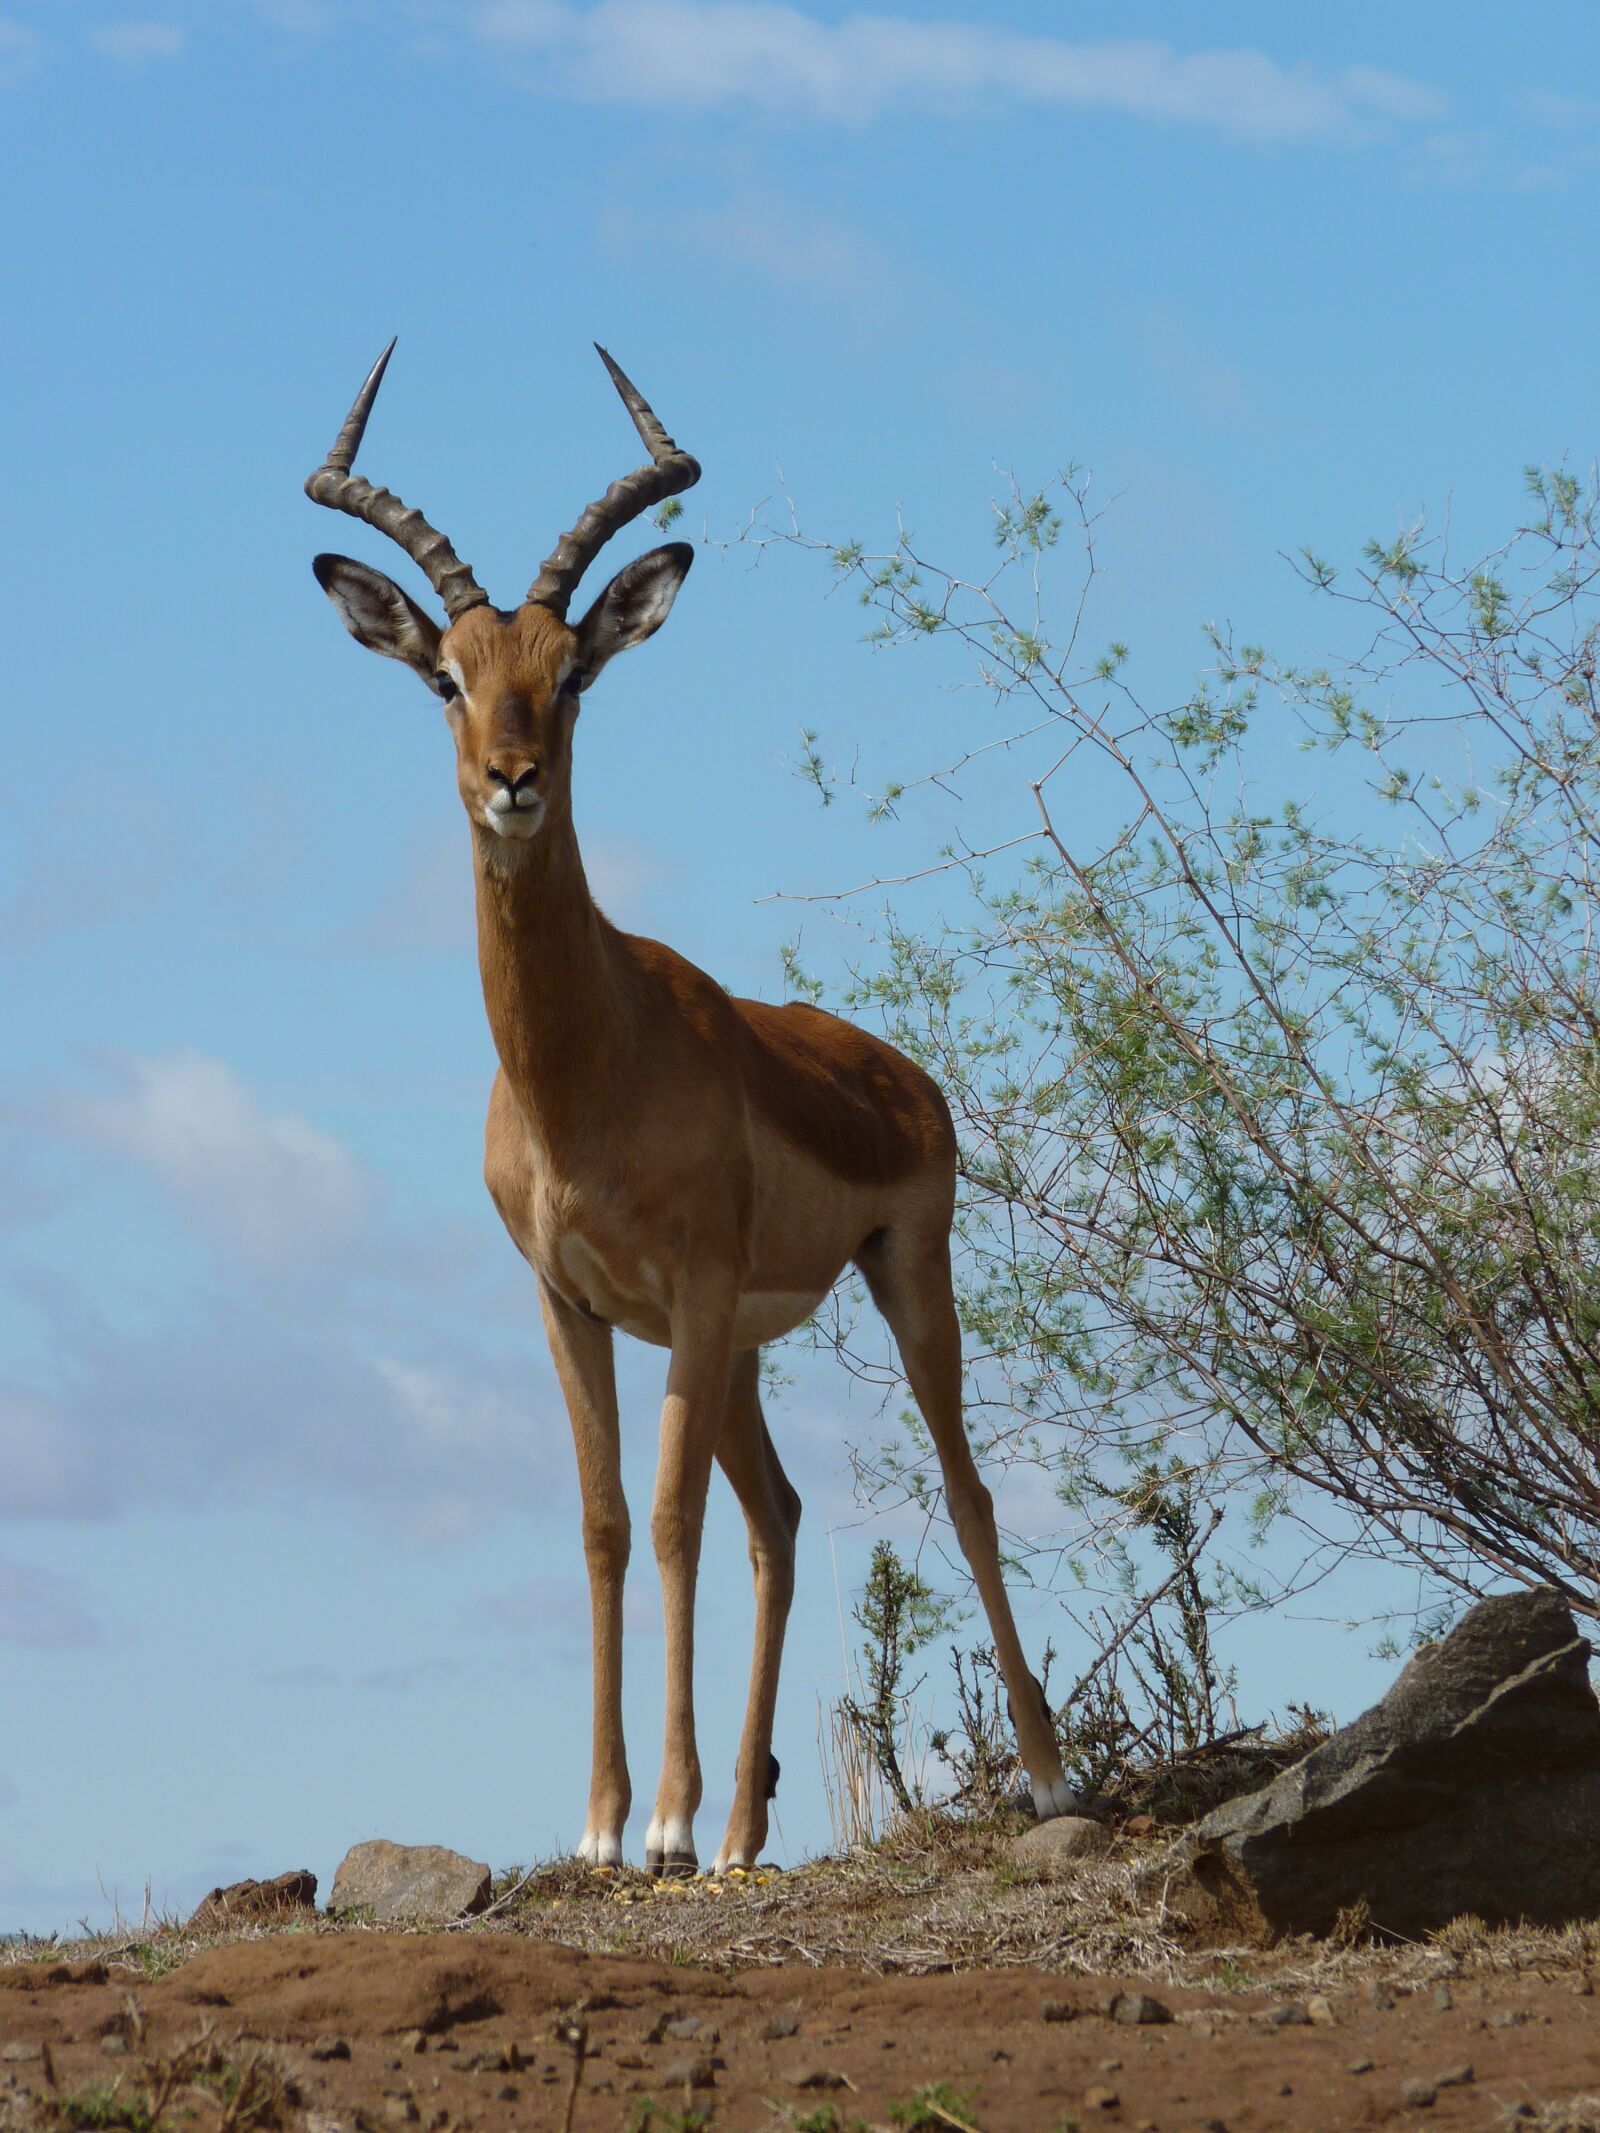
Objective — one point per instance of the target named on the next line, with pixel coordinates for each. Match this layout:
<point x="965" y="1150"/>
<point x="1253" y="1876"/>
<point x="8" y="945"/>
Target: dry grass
<point x="199" y="2086"/>
<point x="937" y="1892"/>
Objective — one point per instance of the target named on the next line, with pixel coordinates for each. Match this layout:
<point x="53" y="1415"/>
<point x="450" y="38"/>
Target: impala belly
<point x="639" y="1304"/>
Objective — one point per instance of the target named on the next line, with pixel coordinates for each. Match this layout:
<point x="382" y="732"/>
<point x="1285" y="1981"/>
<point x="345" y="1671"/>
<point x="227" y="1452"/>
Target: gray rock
<point x="1060" y="1844"/>
<point x="690" y="2074"/>
<point x="421" y="1883"/>
<point x="1473" y="1786"/>
<point x="1138" y="2010"/>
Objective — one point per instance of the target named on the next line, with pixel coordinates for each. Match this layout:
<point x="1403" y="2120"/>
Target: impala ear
<point x="379" y="615"/>
<point x="634" y="605"/>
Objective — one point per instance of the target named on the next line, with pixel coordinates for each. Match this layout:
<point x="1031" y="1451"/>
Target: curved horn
<point x="670" y="470"/>
<point x="333" y="484"/>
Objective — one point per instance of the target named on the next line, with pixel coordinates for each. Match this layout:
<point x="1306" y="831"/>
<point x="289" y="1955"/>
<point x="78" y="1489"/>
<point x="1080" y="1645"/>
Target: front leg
<point x="581" y="1350"/>
<point x="691" y="1422"/>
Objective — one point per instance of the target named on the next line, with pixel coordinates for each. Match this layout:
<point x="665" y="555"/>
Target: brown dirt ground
<point x="927" y="1963"/>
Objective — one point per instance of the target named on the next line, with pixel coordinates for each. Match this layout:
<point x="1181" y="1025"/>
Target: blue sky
<point x="288" y="1530"/>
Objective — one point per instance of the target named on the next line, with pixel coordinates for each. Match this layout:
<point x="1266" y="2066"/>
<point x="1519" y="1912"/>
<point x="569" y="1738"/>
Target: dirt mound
<point x="356" y="2029"/>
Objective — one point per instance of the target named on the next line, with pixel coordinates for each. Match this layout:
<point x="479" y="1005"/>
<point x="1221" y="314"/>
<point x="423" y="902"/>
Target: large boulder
<point x="1473" y="1786"/>
<point x="422" y="1884"/>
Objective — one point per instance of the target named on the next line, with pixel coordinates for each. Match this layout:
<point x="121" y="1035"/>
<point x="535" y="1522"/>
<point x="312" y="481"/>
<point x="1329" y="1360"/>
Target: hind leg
<point x="910" y="1283"/>
<point x="772" y="1514"/>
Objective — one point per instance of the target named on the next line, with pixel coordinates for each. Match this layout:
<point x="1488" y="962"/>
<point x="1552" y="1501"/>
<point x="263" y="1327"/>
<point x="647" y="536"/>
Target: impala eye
<point x="445" y="684"/>
<point x="575" y="681"/>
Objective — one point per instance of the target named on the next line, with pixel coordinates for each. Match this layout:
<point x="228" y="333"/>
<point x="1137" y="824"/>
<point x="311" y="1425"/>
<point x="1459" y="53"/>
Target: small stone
<point x="1291" y="2015"/>
<point x="1507" y="2018"/>
<point x="1111" y="2066"/>
<point x="243" y="1901"/>
<point x="1455" y="2077"/>
<point x="16" y="2053"/>
<point x="507" y="2092"/>
<point x="400" y="2110"/>
<point x="1583" y="1985"/>
<point x="1359" y="2066"/>
<point x="1380" y="1996"/>
<point x="418" y="1882"/>
<point x="777" y="2027"/>
<point x="490" y="2062"/>
<point x="114" y="2044"/>
<point x="1060" y="1845"/>
<point x="1100" y="2098"/>
<point x="414" y="2040"/>
<point x="1320" y="2008"/>
<point x="1058" y="2011"/>
<point x="683" y="2027"/>
<point x="817" y="2077"/>
<point x="1443" y="1997"/>
<point x="1418" y="2095"/>
<point x="331" y="2048"/>
<point x="690" y="2073"/>
<point x="1137" y="2009"/>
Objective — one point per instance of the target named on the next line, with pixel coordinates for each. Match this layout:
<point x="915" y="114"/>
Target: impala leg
<point x="912" y="1289"/>
<point x="772" y="1514"/>
<point x="581" y="1350"/>
<point x="691" y="1423"/>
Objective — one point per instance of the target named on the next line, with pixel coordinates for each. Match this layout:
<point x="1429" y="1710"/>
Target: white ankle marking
<point x="600" y="1848"/>
<point x="670" y="1836"/>
<point x="1052" y="1797"/>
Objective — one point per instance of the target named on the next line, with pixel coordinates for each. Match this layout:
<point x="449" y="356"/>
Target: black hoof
<point x="671" y="1866"/>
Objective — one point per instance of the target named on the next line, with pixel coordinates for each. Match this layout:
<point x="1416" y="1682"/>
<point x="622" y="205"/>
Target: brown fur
<point x="693" y="1169"/>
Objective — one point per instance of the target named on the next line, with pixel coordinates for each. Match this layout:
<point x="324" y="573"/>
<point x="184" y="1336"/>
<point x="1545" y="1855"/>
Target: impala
<point x="693" y="1169"/>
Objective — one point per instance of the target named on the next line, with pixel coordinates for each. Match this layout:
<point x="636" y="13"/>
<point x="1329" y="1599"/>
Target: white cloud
<point x="229" y="1401"/>
<point x="132" y="42"/>
<point x="328" y="1350"/>
<point x="19" y="49"/>
<point x="39" y="1608"/>
<point x="790" y="246"/>
<point x="268" y="1187"/>
<point x="701" y="54"/>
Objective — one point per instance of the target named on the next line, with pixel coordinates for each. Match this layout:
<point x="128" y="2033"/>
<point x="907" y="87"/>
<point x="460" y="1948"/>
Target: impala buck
<point x="692" y="1169"/>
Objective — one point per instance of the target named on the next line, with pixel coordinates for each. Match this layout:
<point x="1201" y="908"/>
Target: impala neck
<point x="549" y="981"/>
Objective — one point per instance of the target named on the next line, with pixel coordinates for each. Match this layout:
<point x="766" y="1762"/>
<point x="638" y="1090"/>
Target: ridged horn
<point x="333" y="484"/>
<point x="669" y="471"/>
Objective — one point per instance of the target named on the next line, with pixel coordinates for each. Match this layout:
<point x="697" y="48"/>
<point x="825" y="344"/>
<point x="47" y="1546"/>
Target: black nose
<point x="519" y="787"/>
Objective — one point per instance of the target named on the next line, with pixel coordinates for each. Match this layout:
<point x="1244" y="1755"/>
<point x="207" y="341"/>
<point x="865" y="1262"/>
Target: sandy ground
<point x="446" y="2030"/>
<point x="931" y="1983"/>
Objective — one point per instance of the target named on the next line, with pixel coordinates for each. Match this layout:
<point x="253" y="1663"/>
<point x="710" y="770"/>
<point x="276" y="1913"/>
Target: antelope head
<point x="510" y="679"/>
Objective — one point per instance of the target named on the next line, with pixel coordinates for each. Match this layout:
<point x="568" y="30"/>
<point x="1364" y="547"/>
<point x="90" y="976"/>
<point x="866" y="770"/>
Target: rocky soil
<point x="501" y="2025"/>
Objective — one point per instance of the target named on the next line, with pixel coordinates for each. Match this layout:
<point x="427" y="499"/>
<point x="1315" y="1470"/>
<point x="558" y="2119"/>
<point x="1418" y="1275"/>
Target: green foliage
<point x="899" y="1614"/>
<point x="104" y="2106"/>
<point x="648" y="2116"/>
<point x="1280" y="1116"/>
<point x="934" y="2108"/>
